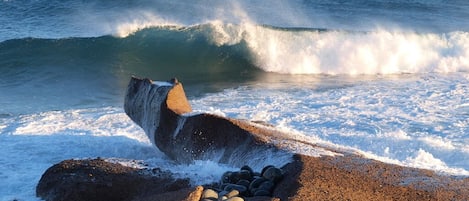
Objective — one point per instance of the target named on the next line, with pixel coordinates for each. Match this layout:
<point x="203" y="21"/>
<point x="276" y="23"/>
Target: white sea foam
<point x="343" y="52"/>
<point x="389" y="119"/>
<point x="31" y="143"/>
<point x="94" y="122"/>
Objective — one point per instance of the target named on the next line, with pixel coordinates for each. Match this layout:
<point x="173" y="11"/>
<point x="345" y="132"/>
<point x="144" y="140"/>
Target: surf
<point x="224" y="47"/>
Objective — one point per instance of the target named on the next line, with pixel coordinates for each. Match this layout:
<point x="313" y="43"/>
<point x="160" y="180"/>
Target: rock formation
<point x="98" y="180"/>
<point x="162" y="110"/>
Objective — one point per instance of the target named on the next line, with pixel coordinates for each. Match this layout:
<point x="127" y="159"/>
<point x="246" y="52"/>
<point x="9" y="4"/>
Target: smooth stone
<point x="247" y="168"/>
<point x="274" y="174"/>
<point x="209" y="193"/>
<point x="235" y="199"/>
<point x="243" y="182"/>
<point x="232" y="193"/>
<point x="222" y="193"/>
<point x="267" y="185"/>
<point x="256" y="183"/>
<point x="265" y="168"/>
<point x="244" y="174"/>
<point x="222" y="186"/>
<point x="239" y="188"/>
<point x="262" y="192"/>
<point x="235" y="177"/>
<point x="226" y="177"/>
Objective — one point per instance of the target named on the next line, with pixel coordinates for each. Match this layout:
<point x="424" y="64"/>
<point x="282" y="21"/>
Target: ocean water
<point x="386" y="79"/>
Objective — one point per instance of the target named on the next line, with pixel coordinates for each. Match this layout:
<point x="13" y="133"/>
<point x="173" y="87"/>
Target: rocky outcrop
<point x="98" y="180"/>
<point x="162" y="110"/>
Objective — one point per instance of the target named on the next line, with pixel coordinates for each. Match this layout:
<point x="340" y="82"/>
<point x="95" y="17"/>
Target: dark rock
<point x="262" y="192"/>
<point x="265" y="168"/>
<point x="274" y="174"/>
<point x="245" y="174"/>
<point x="159" y="107"/>
<point x="267" y="185"/>
<point x="96" y="179"/>
<point x="243" y="182"/>
<point x="226" y="177"/>
<point x="256" y="183"/>
<point x="240" y="188"/>
<point x="247" y="168"/>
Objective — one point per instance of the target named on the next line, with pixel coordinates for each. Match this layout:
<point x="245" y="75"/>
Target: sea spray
<point x="318" y="51"/>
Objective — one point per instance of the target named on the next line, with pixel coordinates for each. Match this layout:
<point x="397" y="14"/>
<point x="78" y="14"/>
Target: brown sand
<point x="355" y="178"/>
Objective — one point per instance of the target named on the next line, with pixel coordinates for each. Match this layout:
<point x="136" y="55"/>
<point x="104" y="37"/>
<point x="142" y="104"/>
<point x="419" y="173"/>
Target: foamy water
<point x="420" y="121"/>
<point x="31" y="143"/>
<point x="388" y="82"/>
<point x="379" y="51"/>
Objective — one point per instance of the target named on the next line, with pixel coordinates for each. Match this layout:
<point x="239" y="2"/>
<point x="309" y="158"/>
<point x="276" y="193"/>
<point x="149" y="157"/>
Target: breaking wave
<point x="233" y="48"/>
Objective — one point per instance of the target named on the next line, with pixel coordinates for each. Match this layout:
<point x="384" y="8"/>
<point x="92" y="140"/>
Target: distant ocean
<point x="388" y="79"/>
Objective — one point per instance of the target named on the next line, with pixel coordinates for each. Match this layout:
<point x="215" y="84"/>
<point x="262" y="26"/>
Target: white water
<point x="419" y="120"/>
<point x="413" y="120"/>
<point x="342" y="52"/>
<point x="31" y="143"/>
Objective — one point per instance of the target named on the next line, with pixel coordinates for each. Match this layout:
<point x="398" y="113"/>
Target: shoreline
<point x="348" y="177"/>
<point x="159" y="108"/>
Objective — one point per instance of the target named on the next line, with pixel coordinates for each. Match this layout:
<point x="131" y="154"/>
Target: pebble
<point x="262" y="192"/>
<point x="235" y="199"/>
<point x="209" y="193"/>
<point x="244" y="183"/>
<point x="232" y="193"/>
<point x="267" y="185"/>
<point x="274" y="174"/>
<point x="239" y="188"/>
<point x="256" y="183"/>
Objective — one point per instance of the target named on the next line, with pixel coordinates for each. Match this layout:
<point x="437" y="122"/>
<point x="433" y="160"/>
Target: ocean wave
<point x="231" y="48"/>
<point x="321" y="51"/>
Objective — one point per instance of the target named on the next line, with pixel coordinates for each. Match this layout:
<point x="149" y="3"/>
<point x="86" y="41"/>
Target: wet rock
<point x="256" y="183"/>
<point x="235" y="199"/>
<point x="232" y="193"/>
<point x="242" y="183"/>
<point x="272" y="173"/>
<point x="96" y="179"/>
<point x="240" y="188"/>
<point x="262" y="192"/>
<point x="161" y="108"/>
<point x="267" y="185"/>
<point x="209" y="194"/>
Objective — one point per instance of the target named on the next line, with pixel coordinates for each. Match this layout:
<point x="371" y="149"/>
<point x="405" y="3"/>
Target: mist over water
<point x="56" y="19"/>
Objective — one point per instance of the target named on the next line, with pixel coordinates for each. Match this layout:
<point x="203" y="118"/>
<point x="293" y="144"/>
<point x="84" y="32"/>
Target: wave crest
<point x="318" y="51"/>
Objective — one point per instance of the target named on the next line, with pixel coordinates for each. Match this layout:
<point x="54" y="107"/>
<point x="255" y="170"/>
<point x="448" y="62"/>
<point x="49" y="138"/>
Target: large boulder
<point x="162" y="110"/>
<point x="97" y="180"/>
